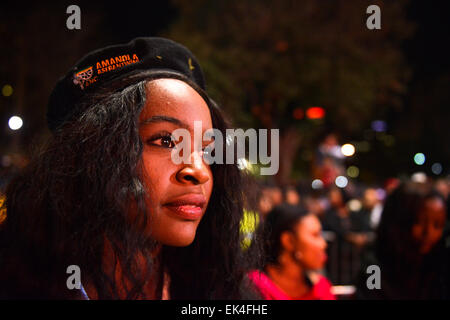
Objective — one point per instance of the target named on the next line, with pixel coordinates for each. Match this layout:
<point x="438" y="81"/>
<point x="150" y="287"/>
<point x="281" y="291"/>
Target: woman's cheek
<point x="156" y="166"/>
<point x="156" y="179"/>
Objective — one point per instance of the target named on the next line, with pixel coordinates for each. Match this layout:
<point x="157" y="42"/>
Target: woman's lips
<point x="189" y="207"/>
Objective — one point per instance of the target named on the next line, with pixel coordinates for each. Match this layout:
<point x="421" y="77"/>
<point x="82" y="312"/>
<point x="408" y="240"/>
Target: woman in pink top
<point x="295" y="249"/>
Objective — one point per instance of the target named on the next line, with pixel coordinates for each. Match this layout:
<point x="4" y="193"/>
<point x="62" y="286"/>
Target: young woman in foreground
<point x="105" y="195"/>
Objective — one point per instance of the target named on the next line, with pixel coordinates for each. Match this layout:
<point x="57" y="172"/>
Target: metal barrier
<point x="344" y="260"/>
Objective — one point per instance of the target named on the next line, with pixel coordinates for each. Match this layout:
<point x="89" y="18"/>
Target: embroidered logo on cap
<point x="86" y="77"/>
<point x="113" y="63"/>
<point x="83" y="77"/>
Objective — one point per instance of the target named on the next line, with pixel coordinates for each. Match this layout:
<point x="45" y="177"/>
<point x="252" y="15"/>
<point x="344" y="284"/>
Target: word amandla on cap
<point x="107" y="65"/>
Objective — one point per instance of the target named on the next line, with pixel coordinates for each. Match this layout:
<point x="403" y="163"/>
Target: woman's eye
<point x="164" y="141"/>
<point x="208" y="151"/>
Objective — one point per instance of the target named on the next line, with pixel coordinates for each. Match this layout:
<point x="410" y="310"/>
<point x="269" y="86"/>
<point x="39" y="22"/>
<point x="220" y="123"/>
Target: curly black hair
<point x="282" y="218"/>
<point x="73" y="198"/>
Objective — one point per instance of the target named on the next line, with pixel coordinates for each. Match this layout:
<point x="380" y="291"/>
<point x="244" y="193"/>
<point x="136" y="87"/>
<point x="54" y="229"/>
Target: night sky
<point x="427" y="102"/>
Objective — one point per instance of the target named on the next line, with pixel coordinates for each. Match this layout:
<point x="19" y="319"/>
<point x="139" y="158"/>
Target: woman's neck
<point x="289" y="276"/>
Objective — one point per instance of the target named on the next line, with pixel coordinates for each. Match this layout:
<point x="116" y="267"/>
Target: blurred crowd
<point x="323" y="237"/>
<point x="402" y="227"/>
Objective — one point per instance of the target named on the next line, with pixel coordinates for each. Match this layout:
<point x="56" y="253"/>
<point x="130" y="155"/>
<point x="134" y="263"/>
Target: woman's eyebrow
<point x="156" y="119"/>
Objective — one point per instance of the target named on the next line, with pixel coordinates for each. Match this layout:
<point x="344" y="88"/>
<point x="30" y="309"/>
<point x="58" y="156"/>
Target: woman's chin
<point x="181" y="242"/>
<point x="170" y="230"/>
<point x="178" y="237"/>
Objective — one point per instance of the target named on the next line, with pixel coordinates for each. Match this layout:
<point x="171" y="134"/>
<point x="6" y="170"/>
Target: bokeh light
<point x="355" y="205"/>
<point x="381" y="194"/>
<point x="315" y="113"/>
<point x="379" y="125"/>
<point x="341" y="181"/>
<point x="348" y="150"/>
<point x="419" y="177"/>
<point x="353" y="171"/>
<point x="419" y="159"/>
<point x="7" y="90"/>
<point x="15" y="123"/>
<point x="317" y="184"/>
<point x="436" y="168"/>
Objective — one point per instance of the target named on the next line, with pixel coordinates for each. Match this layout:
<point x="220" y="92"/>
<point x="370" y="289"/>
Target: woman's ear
<point x="287" y="241"/>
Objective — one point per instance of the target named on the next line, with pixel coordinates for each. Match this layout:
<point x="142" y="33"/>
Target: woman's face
<point x="429" y="225"/>
<point x="310" y="243"/>
<point x="292" y="197"/>
<point x="178" y="194"/>
<point x="335" y="198"/>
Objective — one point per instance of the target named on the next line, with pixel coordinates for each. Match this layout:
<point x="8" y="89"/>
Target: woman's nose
<point x="195" y="173"/>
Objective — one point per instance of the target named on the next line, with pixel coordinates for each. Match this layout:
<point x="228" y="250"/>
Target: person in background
<point x="264" y="202"/>
<point x="316" y="204"/>
<point x="409" y="246"/>
<point x="443" y="187"/>
<point x="294" y="250"/>
<point x="268" y="197"/>
<point x="291" y="196"/>
<point x="374" y="206"/>
<point x="337" y="217"/>
<point x="328" y="160"/>
<point x="366" y="220"/>
<point x="276" y="195"/>
<point x="348" y="236"/>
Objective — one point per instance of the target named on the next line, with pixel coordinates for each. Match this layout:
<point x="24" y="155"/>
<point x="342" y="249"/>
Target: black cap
<point x="107" y="65"/>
